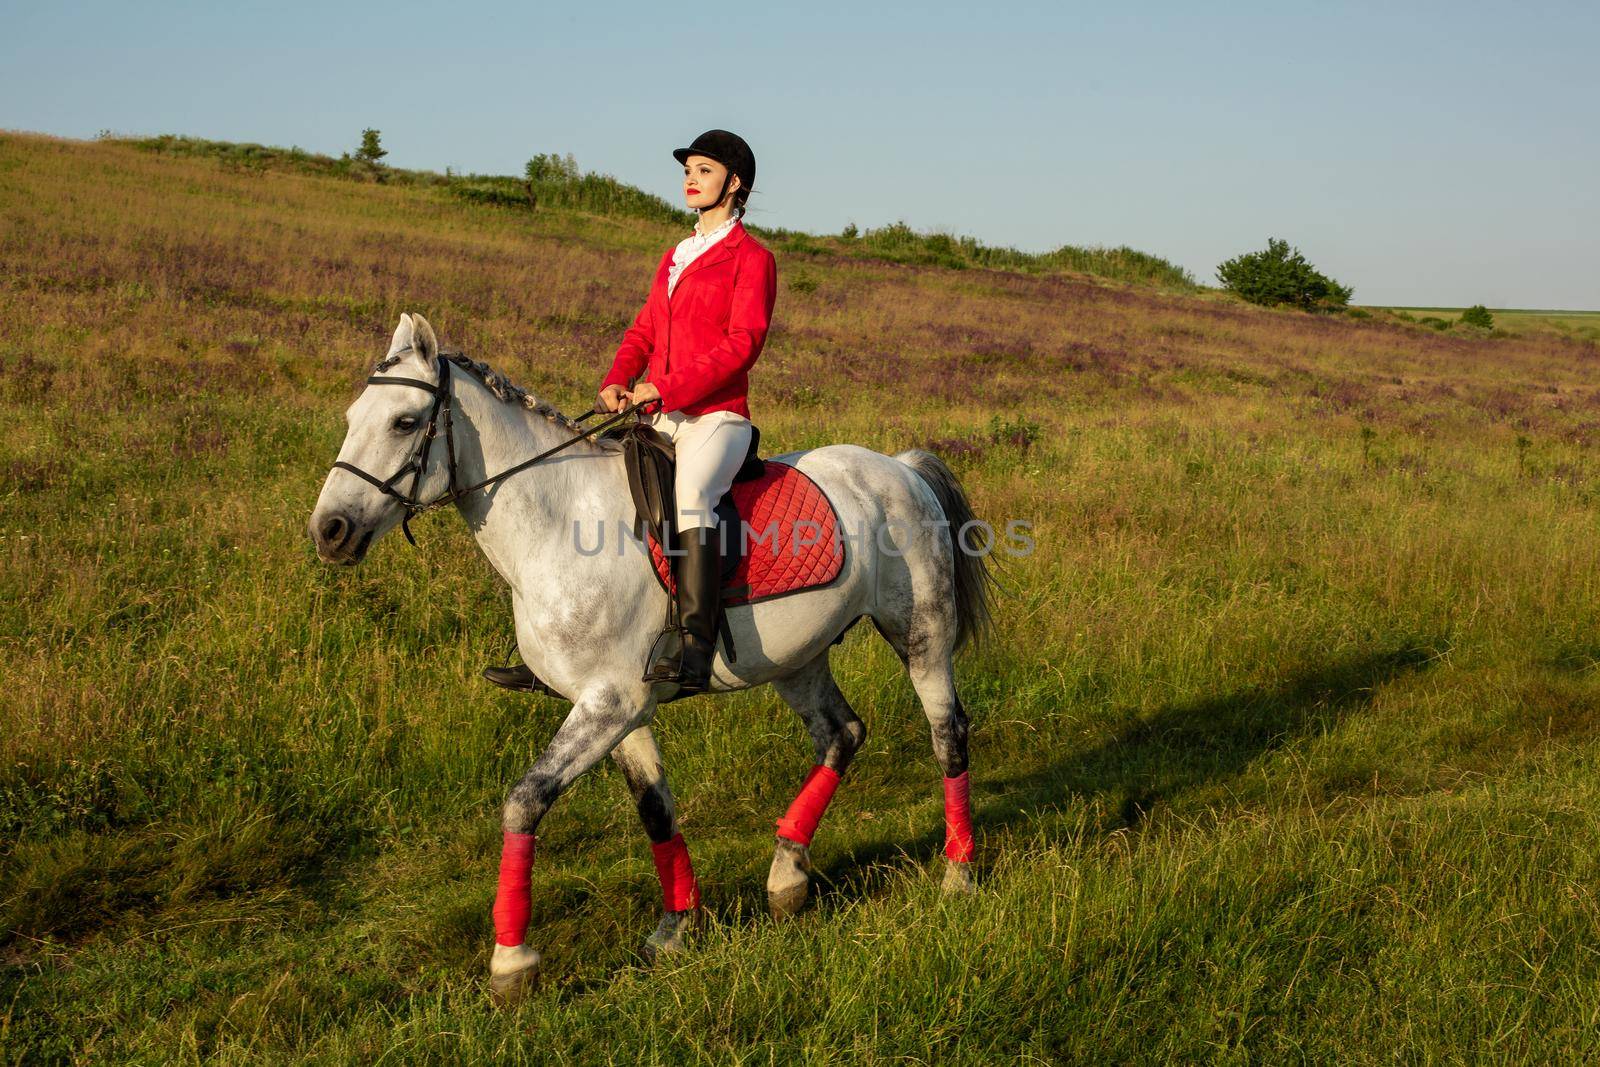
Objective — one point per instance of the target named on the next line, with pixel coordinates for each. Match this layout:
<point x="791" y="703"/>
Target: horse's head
<point x="387" y="443"/>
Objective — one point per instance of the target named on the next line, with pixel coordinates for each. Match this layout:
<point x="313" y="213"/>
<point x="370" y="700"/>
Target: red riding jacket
<point x="700" y="343"/>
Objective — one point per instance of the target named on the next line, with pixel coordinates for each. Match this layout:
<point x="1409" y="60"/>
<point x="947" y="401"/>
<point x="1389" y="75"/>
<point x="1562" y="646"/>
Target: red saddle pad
<point x="793" y="541"/>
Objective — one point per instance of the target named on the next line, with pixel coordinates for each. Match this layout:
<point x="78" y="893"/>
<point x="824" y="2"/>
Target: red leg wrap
<point x="799" y="823"/>
<point x="513" y="902"/>
<point x="679" y="890"/>
<point x="957" y="819"/>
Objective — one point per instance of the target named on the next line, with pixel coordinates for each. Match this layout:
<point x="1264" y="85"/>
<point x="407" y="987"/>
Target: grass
<point x="1287" y="751"/>
<point x="1580" y="325"/>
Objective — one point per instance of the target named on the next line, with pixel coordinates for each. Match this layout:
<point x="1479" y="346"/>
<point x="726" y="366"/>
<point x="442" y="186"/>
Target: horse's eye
<point x="406" y="423"/>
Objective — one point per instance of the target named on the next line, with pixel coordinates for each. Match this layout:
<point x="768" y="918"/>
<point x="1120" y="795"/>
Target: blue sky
<point x="1423" y="153"/>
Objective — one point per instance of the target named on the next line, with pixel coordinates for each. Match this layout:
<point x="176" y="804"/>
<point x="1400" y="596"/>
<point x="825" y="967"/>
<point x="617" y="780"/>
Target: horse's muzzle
<point x="337" y="540"/>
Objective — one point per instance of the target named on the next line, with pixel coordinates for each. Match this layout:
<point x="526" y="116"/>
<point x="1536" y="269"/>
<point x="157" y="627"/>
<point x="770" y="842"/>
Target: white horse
<point x="585" y="619"/>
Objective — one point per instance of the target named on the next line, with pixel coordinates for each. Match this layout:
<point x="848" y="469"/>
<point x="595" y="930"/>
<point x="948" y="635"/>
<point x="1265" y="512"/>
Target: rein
<point x="417" y="463"/>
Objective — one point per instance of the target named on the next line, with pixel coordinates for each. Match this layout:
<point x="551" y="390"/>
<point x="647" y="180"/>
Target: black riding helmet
<point x="728" y="149"/>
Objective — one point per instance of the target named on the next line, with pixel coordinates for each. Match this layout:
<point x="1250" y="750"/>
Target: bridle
<point x="417" y="463"/>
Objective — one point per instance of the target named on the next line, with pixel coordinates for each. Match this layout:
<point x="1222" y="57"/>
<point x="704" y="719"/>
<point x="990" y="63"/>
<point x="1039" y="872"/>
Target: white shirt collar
<point x="719" y="231"/>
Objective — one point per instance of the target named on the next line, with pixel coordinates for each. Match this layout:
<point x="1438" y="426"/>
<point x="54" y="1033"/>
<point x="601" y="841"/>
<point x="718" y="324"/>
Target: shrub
<point x="482" y="191"/>
<point x="899" y="243"/>
<point x="957" y="449"/>
<point x="562" y="188"/>
<point x="1020" y="432"/>
<point x="371" y="150"/>
<point x="1281" y="275"/>
<point x="801" y="244"/>
<point x="552" y="168"/>
<point x="1477" y="315"/>
<point x="1123" y="263"/>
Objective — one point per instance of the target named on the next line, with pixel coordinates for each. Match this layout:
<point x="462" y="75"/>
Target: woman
<point x="699" y="332"/>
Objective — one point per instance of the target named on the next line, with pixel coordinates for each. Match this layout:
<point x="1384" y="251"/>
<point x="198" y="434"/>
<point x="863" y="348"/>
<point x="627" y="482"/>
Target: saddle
<point x="651" y="459"/>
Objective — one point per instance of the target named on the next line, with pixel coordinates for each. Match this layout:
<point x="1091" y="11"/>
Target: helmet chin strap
<point x="722" y="195"/>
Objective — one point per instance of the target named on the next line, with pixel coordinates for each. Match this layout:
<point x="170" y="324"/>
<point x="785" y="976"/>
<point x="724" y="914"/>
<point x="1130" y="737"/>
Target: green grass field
<point x="1286" y="749"/>
<point x="1582" y="325"/>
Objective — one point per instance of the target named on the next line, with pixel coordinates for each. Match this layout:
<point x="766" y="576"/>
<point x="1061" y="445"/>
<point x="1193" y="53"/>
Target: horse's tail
<point x="973" y="582"/>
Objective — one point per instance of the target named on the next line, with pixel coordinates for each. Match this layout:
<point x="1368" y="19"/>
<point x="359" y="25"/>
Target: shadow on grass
<point x="75" y="886"/>
<point x="1150" y="762"/>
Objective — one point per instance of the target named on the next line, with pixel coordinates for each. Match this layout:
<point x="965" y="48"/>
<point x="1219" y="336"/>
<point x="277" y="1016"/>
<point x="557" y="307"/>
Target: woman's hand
<point x="612" y="398"/>
<point x="643" y="393"/>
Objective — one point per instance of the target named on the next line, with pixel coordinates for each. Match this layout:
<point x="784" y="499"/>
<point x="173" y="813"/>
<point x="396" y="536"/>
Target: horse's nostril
<point x="334" y="530"/>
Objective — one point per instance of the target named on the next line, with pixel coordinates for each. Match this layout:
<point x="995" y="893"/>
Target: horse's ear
<point x="402" y="335"/>
<point x="423" y="339"/>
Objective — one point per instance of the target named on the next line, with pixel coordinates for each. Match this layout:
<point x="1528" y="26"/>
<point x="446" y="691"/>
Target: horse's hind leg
<point x="933" y="678"/>
<point x="836" y="734"/>
<point x="640" y="761"/>
<point x="920" y="624"/>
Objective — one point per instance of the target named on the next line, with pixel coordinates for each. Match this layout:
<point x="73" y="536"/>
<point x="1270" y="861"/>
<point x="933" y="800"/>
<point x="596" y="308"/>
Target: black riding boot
<point x="688" y="649"/>
<point x="518" y="678"/>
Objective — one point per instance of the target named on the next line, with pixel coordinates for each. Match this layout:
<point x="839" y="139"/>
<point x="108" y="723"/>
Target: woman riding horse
<point x="453" y="430"/>
<point x="698" y="334"/>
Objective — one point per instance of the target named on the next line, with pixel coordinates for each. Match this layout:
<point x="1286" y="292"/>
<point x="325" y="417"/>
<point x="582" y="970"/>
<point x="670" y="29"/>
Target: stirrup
<point x="665" y="661"/>
<point x="668" y="666"/>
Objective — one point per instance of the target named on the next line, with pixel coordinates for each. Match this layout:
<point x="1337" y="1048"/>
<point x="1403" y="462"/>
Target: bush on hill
<point x="552" y="168"/>
<point x="599" y="194"/>
<point x="899" y="243"/>
<point x="371" y="150"/>
<point x="1281" y="275"/>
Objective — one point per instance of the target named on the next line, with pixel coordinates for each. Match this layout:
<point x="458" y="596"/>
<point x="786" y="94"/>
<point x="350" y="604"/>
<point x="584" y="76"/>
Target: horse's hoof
<point x="958" y="878"/>
<point x="786" y="903"/>
<point x="789" y="880"/>
<point x="672" y="934"/>
<point x="508" y="990"/>
<point x="513" y="974"/>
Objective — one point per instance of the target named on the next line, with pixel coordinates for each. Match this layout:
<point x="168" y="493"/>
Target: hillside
<point x="1286" y="748"/>
<point x="561" y="186"/>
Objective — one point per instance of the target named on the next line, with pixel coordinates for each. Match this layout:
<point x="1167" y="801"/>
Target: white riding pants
<point x="710" y="450"/>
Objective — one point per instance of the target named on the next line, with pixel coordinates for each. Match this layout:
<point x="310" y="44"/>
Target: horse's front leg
<point x="599" y="719"/>
<point x="640" y="761"/>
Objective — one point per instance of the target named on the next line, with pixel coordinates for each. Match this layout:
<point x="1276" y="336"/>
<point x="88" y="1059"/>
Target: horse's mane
<point x="508" y="392"/>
